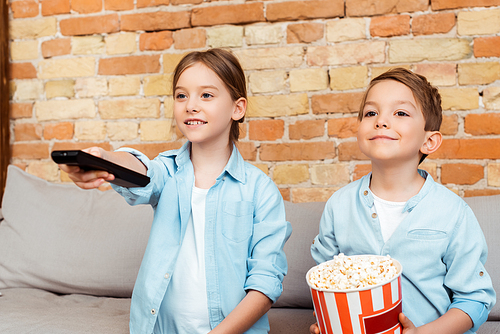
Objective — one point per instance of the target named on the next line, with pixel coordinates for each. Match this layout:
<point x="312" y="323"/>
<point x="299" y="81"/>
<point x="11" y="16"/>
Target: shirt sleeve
<point x="324" y="245"/>
<point x="476" y="310"/>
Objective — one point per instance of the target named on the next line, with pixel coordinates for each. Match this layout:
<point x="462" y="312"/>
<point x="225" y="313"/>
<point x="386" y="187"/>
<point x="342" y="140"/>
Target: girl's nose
<point x="381" y="123"/>
<point x="192" y="107"/>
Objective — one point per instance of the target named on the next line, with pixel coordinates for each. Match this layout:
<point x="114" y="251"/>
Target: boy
<point x="399" y="210"/>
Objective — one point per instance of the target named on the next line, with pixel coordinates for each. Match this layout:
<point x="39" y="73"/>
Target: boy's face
<point x="392" y="127"/>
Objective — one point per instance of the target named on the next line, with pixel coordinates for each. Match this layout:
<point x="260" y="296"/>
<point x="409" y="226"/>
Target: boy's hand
<point x="314" y="329"/>
<point x="88" y="179"/>
<point x="408" y="326"/>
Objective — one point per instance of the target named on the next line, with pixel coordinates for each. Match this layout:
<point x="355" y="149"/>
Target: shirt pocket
<point x="237" y="224"/>
<point x="424" y="234"/>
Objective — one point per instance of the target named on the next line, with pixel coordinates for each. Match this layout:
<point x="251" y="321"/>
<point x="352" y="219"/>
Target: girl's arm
<point x="455" y="321"/>
<point x="245" y="314"/>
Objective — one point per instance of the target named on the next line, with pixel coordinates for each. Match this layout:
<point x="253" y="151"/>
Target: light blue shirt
<point x="245" y="231"/>
<point x="439" y="244"/>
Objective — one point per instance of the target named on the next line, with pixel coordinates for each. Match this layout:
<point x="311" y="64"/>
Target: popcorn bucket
<point x="371" y="310"/>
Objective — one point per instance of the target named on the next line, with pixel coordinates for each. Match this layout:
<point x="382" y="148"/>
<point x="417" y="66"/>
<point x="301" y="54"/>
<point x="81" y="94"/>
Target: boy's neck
<point x="396" y="184"/>
<point x="208" y="163"/>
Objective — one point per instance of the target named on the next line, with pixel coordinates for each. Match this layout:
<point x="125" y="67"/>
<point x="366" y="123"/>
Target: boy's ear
<point x="432" y="143"/>
<point x="240" y="109"/>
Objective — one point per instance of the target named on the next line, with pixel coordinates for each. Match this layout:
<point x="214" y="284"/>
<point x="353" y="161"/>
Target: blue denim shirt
<point x="245" y="233"/>
<point x="439" y="244"/>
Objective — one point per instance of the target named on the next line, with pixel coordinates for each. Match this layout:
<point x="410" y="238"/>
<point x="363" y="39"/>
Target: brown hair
<point x="426" y="96"/>
<point x="228" y="69"/>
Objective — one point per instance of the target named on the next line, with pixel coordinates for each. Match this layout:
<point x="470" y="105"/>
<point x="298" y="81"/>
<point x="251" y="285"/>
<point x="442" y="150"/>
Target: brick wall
<point x="97" y="72"/>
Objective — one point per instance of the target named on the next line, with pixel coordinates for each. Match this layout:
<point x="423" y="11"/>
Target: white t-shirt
<point x="184" y="308"/>
<point x="390" y="215"/>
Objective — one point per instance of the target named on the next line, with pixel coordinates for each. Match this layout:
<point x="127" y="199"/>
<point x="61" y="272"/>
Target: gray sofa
<point x="69" y="258"/>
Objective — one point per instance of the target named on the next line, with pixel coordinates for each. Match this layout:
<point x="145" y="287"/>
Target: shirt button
<point x="314" y="241"/>
<point x="365" y="192"/>
<point x="481" y="273"/>
<point x="153" y="311"/>
<point x="374" y="215"/>
<point x="167" y="275"/>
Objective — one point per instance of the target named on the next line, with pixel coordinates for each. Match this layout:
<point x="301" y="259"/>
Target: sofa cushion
<point x="63" y="239"/>
<point x="487" y="211"/>
<point x="304" y="218"/>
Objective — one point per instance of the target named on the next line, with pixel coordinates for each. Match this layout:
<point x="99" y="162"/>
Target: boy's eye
<point x="370" y="113"/>
<point x="180" y="96"/>
<point x="206" y="95"/>
<point x="401" y="113"/>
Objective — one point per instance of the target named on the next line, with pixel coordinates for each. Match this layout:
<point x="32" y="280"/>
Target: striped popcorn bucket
<point x="372" y="310"/>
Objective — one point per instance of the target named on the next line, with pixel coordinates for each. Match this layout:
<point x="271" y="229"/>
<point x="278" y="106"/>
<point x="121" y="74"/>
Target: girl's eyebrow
<point x="202" y="87"/>
<point x="398" y="102"/>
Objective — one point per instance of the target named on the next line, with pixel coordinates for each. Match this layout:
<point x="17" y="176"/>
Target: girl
<point x="214" y="261"/>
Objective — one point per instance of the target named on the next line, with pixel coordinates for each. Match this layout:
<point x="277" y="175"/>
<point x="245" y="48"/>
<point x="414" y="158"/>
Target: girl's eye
<point x="180" y="96"/>
<point x="401" y="113"/>
<point x="370" y="114"/>
<point x="206" y="95"/>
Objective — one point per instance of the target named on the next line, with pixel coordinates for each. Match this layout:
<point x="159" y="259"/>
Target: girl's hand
<point x="88" y="179"/>
<point x="408" y="326"/>
<point x="314" y="329"/>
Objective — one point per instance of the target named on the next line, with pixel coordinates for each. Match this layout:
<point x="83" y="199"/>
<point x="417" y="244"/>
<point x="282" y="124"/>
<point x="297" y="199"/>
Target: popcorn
<point x="353" y="272"/>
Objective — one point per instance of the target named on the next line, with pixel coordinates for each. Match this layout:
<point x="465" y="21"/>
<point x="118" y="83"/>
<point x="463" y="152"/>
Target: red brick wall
<point x="98" y="73"/>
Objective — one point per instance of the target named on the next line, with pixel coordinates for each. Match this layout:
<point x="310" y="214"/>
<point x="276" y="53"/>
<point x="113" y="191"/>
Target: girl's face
<point x="203" y="107"/>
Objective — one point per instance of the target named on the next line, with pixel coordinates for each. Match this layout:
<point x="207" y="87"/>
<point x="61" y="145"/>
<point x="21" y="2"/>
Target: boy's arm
<point x="245" y="314"/>
<point x="455" y="321"/>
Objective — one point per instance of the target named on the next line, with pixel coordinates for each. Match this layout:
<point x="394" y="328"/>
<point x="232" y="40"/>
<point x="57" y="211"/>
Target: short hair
<point x="227" y="67"/>
<point x="426" y="96"/>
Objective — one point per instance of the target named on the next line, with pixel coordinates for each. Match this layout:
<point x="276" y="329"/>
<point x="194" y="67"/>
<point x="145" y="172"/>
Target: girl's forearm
<point x="455" y="321"/>
<point x="125" y="159"/>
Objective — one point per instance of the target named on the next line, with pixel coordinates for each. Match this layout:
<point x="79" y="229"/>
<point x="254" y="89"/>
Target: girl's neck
<point x="396" y="184"/>
<point x="208" y="163"/>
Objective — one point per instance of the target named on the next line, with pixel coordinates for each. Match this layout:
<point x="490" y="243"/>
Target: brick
<point x="155" y="21"/>
<point x="90" y="130"/>
<point x="429" y="24"/>
<point x="461" y="173"/>
<point x="285" y="193"/>
<point x="66" y="68"/>
<point x="260" y="35"/>
<point x="87" y="45"/>
<point x="478" y="73"/>
<point x="55" y="7"/>
<point x="376" y="71"/>
<point x="481" y="192"/>
<point x="32" y="29"/>
<point x="190" y="38"/>
<point x="186" y="2"/>
<point x="129" y="65"/>
<point x="24" y="9"/>
<point x="61" y="145"/>
<point x="431" y="168"/>
<point x="270" y="58"/>
<point x="350" y="151"/>
<point x="346" y="54"/>
<point x="118" y="4"/>
<point x="229" y="14"/>
<point x="21" y="110"/>
<point x="381" y="7"/>
<point x="86" y="6"/>
<point x="170" y="61"/>
<point x="90" y="87"/>
<point x="151" y="3"/>
<point x="267" y="81"/>
<point x="90" y="25"/>
<point x="452" y="4"/>
<point x="22" y="71"/>
<point x="389" y="26"/>
<point x="352" y="77"/>
<point x="482" y="22"/>
<point x="431" y="49"/>
<point x="130" y="108"/>
<point x="56" y="47"/>
<point x="156" y="41"/>
<point x="468" y="149"/>
<point x="491" y="98"/>
<point x="304" y="10"/>
<point x="59" y="88"/>
<point x="303" y="195"/>
<point x="336" y="103"/>
<point x="277" y="105"/>
<point x="59" y="131"/>
<point x="27" y="132"/>
<point x="304" y="32"/>
<point x="487" y="46"/>
<point x="290" y="174"/>
<point x="28" y="90"/>
<point x="459" y="98"/>
<point x="297" y="151"/>
<point x="449" y="125"/>
<point x="46" y="170"/>
<point x="343" y="127"/>
<point x="24" y="50"/>
<point x="54" y="110"/>
<point x="30" y="151"/>
<point x="266" y="130"/>
<point x="438" y="74"/>
<point x="120" y="44"/>
<point x="151" y="150"/>
<point x="308" y="79"/>
<point x="361" y="170"/>
<point x="493" y="174"/>
<point x="225" y="36"/>
<point x="122" y="130"/>
<point x="158" y="85"/>
<point x="125" y="85"/>
<point x="306" y="129"/>
<point x="332" y="174"/>
<point x="248" y="150"/>
<point x="482" y="124"/>
<point x="348" y="29"/>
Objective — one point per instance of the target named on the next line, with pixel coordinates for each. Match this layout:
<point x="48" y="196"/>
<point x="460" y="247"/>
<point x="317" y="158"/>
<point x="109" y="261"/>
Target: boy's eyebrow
<point x="398" y="102"/>
<point x="203" y="87"/>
